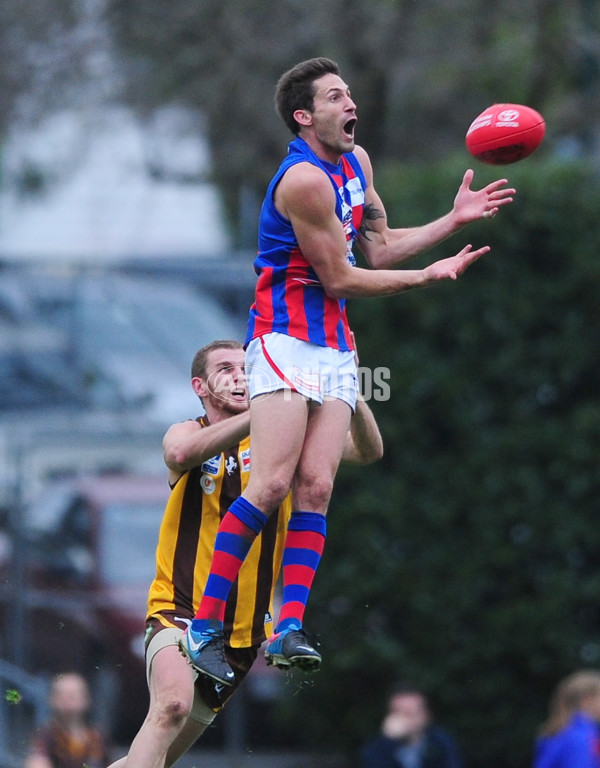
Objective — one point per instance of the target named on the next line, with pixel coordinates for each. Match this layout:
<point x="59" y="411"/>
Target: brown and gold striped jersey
<point x="186" y="541"/>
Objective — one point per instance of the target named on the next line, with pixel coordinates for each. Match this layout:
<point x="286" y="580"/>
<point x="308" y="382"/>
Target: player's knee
<point x="171" y="713"/>
<point x="274" y="492"/>
<point x="314" y="492"/>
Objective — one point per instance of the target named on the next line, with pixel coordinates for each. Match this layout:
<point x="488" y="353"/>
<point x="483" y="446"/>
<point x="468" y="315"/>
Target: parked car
<point x="90" y="545"/>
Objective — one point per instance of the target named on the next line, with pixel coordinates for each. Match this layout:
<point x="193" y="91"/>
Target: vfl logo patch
<point x="347" y="219"/>
<point x="212" y="466"/>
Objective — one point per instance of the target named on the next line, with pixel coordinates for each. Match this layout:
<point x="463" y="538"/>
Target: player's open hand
<point x="451" y="268"/>
<point x="471" y="204"/>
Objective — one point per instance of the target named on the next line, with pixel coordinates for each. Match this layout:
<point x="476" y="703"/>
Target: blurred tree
<point x="48" y="51"/>
<point x="56" y="56"/>
<point x="415" y="97"/>
<point x="26" y="35"/>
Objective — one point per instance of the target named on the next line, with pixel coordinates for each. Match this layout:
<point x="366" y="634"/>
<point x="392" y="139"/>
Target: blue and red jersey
<point x="289" y="296"/>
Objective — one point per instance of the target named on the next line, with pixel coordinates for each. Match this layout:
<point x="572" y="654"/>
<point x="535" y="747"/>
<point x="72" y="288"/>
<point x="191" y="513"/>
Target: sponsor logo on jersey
<point x="245" y="457"/>
<point x="357" y="193"/>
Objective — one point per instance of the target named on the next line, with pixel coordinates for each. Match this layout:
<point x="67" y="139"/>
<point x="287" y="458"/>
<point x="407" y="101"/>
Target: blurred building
<point x="95" y="185"/>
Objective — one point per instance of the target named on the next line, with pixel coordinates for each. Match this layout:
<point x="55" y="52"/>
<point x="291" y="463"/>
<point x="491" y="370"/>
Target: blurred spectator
<point x="570" y="737"/>
<point x="407" y="737"/>
<point x="68" y="740"/>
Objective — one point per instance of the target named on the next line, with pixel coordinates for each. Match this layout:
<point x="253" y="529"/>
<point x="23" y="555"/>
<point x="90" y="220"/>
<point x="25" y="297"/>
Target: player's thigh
<point x="278" y="424"/>
<point x="171" y="679"/>
<point x="326" y="434"/>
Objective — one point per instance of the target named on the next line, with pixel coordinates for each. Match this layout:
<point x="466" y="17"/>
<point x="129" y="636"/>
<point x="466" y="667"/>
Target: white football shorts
<point x="277" y="361"/>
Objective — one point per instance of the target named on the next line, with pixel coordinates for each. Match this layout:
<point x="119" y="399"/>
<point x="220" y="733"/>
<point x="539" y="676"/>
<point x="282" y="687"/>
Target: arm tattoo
<point x="370" y="213"/>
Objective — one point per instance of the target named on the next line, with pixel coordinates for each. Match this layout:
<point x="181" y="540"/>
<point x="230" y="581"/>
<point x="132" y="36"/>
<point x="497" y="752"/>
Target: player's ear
<point x="303" y="117"/>
<point x="199" y="386"/>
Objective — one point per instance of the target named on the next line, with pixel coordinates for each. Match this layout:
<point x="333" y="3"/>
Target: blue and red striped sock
<point x="238" y="529"/>
<point x="304" y="546"/>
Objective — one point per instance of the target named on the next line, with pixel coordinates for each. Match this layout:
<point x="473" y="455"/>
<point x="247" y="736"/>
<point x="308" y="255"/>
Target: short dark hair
<point x="295" y="88"/>
<point x="200" y="360"/>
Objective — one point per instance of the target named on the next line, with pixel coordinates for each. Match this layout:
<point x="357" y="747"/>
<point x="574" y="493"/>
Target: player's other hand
<point x="451" y="268"/>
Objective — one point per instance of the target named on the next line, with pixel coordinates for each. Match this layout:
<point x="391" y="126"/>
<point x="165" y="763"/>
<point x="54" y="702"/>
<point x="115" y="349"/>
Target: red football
<point x="505" y="133"/>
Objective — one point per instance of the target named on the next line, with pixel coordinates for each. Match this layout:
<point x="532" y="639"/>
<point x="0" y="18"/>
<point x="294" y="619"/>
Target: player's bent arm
<point x="187" y="444"/>
<point x="306" y="197"/>
<point x="384" y="247"/>
<point x="364" y="443"/>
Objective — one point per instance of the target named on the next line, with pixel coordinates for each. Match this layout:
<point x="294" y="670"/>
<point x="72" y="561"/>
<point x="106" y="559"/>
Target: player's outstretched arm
<point x="385" y="247"/>
<point x="306" y="197"/>
<point x="364" y="443"/>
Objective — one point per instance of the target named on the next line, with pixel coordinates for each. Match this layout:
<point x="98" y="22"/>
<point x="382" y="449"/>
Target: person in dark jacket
<point x="408" y="738"/>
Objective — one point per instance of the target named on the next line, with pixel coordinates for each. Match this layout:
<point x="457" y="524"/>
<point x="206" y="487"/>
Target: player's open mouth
<point x="349" y="128"/>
